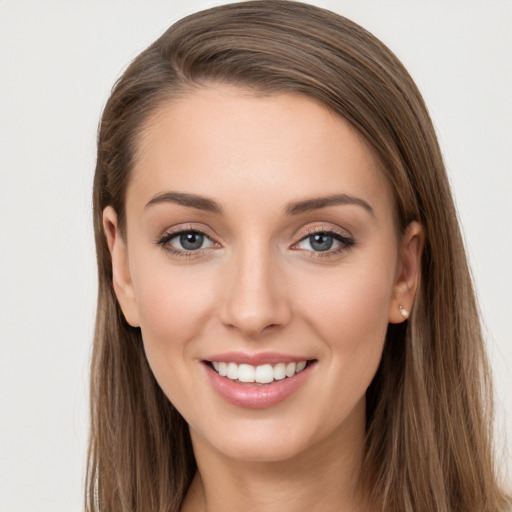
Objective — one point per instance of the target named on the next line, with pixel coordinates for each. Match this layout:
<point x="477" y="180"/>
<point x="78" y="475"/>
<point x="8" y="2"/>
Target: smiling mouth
<point x="260" y="375"/>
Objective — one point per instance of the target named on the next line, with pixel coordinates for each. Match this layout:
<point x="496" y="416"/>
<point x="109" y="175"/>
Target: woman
<point x="286" y="319"/>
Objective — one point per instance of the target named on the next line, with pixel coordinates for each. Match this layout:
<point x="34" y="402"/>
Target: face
<point x="261" y="243"/>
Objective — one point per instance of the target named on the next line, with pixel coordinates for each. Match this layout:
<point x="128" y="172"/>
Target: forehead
<point x="244" y="147"/>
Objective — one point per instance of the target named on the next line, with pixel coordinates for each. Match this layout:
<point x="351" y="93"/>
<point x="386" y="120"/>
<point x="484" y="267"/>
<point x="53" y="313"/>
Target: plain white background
<point x="58" y="61"/>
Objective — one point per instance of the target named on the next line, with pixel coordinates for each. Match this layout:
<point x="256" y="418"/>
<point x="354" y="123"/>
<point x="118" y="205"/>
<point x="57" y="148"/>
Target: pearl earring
<point x="404" y="312"/>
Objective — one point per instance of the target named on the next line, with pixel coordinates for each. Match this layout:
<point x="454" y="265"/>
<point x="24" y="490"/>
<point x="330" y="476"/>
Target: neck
<point x="324" y="477"/>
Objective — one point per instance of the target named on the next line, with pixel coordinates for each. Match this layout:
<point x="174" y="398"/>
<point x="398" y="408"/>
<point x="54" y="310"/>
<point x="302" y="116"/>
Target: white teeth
<point x="232" y="372"/>
<point x="246" y="373"/>
<point x="300" y="366"/>
<point x="290" y="369"/>
<point x="263" y="374"/>
<point x="223" y="369"/>
<point x="279" y="371"/>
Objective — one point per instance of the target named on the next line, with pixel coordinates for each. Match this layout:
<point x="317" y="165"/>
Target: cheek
<point x="349" y="315"/>
<point x="171" y="301"/>
<point x="349" y="312"/>
<point x="172" y="306"/>
<point x="351" y="303"/>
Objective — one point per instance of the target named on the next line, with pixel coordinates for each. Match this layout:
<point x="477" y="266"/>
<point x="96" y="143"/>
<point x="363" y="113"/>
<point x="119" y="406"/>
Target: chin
<point x="262" y="440"/>
<point x="253" y="449"/>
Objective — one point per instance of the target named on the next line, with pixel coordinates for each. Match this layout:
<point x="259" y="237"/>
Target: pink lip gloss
<point x="253" y="395"/>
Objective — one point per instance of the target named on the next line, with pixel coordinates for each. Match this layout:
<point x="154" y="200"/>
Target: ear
<point x="121" y="278"/>
<point x="407" y="274"/>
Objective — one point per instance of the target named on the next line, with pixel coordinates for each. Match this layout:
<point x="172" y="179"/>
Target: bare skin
<point x="230" y="250"/>
<point x="274" y="487"/>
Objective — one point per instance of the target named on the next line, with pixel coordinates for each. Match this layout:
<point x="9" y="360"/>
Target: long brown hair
<point x="429" y="407"/>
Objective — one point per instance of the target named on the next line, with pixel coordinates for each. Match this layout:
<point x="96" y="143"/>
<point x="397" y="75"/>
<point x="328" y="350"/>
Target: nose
<point x="256" y="299"/>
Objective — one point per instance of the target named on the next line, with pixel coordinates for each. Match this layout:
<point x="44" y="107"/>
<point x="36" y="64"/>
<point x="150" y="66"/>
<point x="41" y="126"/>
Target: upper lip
<point x="256" y="359"/>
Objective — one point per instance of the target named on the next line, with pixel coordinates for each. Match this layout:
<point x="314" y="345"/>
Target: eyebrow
<point x="183" y="199"/>
<point x="296" y="208"/>
<point x="316" y="203"/>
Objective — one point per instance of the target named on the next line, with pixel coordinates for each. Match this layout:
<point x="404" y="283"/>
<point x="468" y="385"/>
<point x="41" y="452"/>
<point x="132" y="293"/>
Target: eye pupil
<point x="321" y="241"/>
<point x="191" y="241"/>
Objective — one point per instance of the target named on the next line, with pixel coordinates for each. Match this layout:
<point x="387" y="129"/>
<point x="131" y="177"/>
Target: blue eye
<point x="328" y="242"/>
<point x="191" y="241"/>
<point x="321" y="241"/>
<point x="184" y="242"/>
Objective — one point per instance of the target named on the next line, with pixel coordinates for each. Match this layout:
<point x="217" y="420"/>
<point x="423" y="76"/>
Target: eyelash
<point x="182" y="253"/>
<point x="345" y="241"/>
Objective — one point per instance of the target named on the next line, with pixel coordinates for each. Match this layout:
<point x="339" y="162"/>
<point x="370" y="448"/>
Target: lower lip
<point x="254" y="396"/>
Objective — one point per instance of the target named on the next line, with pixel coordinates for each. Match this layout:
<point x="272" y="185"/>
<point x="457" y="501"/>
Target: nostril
<point x="254" y="303"/>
